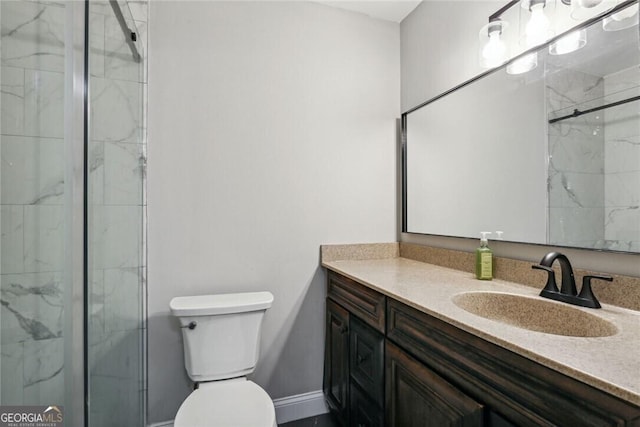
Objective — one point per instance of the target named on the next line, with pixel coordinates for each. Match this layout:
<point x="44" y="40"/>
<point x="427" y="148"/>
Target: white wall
<point x="272" y="130"/>
<point x="439" y="47"/>
<point x="438" y="53"/>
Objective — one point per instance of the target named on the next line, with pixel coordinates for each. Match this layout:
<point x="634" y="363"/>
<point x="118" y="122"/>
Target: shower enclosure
<point x="72" y="209"/>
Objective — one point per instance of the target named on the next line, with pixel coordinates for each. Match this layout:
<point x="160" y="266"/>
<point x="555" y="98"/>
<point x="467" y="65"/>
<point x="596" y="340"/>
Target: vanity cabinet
<point x="354" y="353"/>
<point x="418" y="397"/>
<point x="389" y="364"/>
<point x="336" y="362"/>
<point x="510" y="386"/>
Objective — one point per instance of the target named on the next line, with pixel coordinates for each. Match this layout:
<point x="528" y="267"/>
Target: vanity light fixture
<point x="570" y="43"/>
<point x="626" y="18"/>
<point x="494" y="50"/>
<point x="538" y="28"/>
<point x="584" y="9"/>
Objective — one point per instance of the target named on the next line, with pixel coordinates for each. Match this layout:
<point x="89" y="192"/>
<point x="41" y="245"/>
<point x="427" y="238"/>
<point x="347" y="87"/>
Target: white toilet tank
<point x="221" y="333"/>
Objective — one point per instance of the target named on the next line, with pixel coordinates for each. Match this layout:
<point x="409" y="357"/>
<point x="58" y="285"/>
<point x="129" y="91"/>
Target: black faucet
<point x="568" y="292"/>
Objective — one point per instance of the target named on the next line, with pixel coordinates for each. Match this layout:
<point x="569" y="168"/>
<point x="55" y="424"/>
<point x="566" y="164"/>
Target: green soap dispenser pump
<point x="484" y="258"/>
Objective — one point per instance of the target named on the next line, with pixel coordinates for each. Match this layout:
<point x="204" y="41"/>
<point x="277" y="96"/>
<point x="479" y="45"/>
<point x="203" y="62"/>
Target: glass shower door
<point x="41" y="342"/>
<point x="115" y="196"/>
<point x="72" y="258"/>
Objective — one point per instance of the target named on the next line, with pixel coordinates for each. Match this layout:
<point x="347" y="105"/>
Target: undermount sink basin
<point x="535" y="314"/>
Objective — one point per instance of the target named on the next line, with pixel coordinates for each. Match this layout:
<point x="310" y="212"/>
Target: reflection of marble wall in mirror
<point x="576" y="161"/>
<point x="622" y="163"/>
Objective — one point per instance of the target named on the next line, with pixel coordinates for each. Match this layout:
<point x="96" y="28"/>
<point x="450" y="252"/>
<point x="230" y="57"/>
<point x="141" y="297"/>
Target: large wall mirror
<point x="550" y="156"/>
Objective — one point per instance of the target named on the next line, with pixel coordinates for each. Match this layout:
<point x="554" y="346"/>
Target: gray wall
<point x="271" y="131"/>
<point x="438" y="53"/>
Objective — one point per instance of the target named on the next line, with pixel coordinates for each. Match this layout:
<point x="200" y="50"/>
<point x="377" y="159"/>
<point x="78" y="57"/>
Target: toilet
<point x="221" y="337"/>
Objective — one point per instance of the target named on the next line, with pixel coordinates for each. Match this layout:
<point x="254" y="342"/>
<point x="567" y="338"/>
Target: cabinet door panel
<point x="364" y="412"/>
<point x="417" y="397"/>
<point x="367" y="359"/>
<point x="336" y="361"/>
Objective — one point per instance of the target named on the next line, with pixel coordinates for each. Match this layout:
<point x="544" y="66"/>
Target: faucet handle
<point x="551" y="280"/>
<point x="587" y="294"/>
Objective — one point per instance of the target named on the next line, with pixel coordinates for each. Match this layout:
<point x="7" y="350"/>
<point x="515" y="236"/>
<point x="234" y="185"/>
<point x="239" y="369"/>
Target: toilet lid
<point x="232" y="403"/>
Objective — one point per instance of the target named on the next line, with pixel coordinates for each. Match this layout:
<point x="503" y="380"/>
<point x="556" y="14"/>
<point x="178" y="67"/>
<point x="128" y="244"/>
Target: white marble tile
<point x="12" y="101"/>
<point x="35" y="169"/>
<point x="32" y="306"/>
<point x="11" y="239"/>
<point x="577" y="149"/>
<point x="96" y="42"/>
<point x="124" y="171"/>
<point x="139" y="10"/>
<point x="44" y="104"/>
<point x="119" y="62"/>
<point x="576" y="226"/>
<point x="570" y="88"/>
<point x="119" y="355"/>
<point x="622" y="223"/>
<point x="33" y="35"/>
<point x="622" y="154"/>
<point x="123" y="299"/>
<point x="573" y="190"/>
<point x="624" y="83"/>
<point x="96" y="173"/>
<point x="116" y="236"/>
<point x="623" y="190"/>
<point x="12" y="373"/>
<point x="116" y="110"/>
<point x="43" y="372"/>
<point x="115" y="402"/>
<point x="100" y="7"/>
<point x="43" y="238"/>
<point x="96" y="306"/>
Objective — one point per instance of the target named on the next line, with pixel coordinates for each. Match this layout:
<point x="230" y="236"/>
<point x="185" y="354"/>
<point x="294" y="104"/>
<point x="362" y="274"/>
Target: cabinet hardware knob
<point x="362" y="358"/>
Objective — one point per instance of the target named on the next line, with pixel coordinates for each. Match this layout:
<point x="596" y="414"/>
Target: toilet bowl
<point x="229" y="403"/>
<point x="221" y="336"/>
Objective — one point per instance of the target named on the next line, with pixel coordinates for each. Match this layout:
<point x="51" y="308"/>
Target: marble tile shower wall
<point x="576" y="161"/>
<point x="622" y="161"/>
<point x="32" y="211"/>
<point x="31" y="197"/>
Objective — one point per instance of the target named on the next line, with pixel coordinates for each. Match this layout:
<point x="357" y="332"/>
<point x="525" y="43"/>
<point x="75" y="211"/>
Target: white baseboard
<point x="289" y="408"/>
<point x="300" y="406"/>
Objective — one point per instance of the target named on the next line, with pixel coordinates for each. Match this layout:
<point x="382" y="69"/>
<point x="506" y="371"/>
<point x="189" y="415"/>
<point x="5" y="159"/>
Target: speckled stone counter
<point x="608" y="363"/>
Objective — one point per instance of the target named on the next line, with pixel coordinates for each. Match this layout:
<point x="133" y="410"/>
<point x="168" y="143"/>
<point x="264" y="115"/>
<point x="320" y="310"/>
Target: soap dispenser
<point x="484" y="258"/>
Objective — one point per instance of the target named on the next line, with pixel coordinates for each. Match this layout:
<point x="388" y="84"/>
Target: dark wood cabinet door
<point x="336" y="361"/>
<point x="363" y="411"/>
<point x="366" y="355"/>
<point x="418" y="397"/>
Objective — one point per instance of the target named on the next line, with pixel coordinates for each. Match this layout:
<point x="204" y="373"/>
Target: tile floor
<point x="324" y="420"/>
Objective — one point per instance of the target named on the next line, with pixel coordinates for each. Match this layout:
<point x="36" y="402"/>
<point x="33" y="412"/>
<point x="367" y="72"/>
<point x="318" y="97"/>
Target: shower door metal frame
<point x="75" y="241"/>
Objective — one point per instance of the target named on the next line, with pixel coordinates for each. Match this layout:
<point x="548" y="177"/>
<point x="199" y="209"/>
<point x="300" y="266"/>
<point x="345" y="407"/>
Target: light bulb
<point x="494" y="52"/>
<point x="524" y="64"/>
<point x="569" y="43"/>
<point x="538" y="27"/>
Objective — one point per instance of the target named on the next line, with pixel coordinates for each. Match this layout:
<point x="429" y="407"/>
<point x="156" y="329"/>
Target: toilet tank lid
<point x="203" y="305"/>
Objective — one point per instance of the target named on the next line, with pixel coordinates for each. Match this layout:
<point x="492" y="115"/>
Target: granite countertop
<point x="608" y="363"/>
